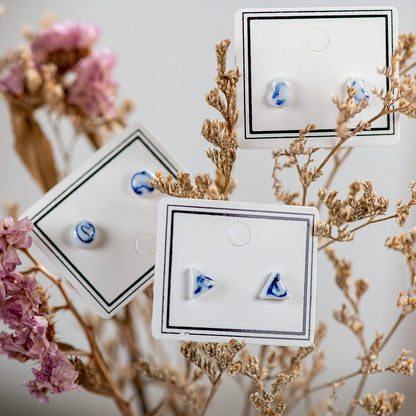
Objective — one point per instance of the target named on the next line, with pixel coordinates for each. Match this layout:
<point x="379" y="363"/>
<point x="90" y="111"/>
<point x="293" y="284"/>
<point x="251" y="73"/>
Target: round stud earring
<point x="361" y="92"/>
<point x="84" y="233"/>
<point x="280" y="94"/>
<point x="140" y="182"/>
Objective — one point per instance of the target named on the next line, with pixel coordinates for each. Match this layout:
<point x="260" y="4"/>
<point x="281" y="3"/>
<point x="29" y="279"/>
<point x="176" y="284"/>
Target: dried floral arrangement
<point x="123" y="361"/>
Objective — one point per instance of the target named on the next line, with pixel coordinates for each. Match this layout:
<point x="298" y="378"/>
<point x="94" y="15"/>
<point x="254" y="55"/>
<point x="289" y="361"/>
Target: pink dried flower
<point x="94" y="90"/>
<point x="20" y="304"/>
<point x="13" y="235"/>
<point x="65" y="37"/>
<point x="16" y="234"/>
<point x="56" y="375"/>
<point x="13" y="83"/>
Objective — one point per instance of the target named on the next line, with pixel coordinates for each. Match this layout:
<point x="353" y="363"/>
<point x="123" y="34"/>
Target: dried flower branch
<point x="378" y="405"/>
<point x="222" y="134"/>
<point x="52" y="74"/>
<point x="297" y="151"/>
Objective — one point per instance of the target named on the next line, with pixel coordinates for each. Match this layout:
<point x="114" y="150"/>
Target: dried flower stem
<point x="60" y="144"/>
<point x="369" y="222"/>
<point x="134" y="355"/>
<point x="403" y="71"/>
<point x="123" y="404"/>
<point x="357" y="394"/>
<point x="330" y="383"/>
<point x="360" y="127"/>
<point x="338" y="161"/>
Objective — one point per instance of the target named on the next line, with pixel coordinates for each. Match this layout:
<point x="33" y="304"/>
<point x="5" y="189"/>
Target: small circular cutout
<point x="317" y="40"/>
<point x="145" y="244"/>
<point x="239" y="234"/>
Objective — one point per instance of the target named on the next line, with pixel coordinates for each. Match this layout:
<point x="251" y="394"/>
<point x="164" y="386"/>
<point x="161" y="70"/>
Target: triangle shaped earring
<point x="199" y="283"/>
<point x="274" y="288"/>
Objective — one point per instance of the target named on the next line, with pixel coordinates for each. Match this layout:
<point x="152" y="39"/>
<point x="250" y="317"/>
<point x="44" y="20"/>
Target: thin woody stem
<point x="330" y="383"/>
<point x="352" y="133"/>
<point x="123" y="404"/>
<point x="359" y="228"/>
<point x="357" y="394"/>
<point x="134" y="354"/>
<point x="403" y="71"/>
<point x="392" y="330"/>
<point x="338" y="163"/>
<point x="214" y="388"/>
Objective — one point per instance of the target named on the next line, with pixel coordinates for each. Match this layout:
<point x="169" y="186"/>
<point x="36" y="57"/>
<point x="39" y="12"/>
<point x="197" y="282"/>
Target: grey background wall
<point x="167" y="64"/>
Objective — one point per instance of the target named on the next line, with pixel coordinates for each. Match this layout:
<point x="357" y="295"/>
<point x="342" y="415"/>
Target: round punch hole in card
<point x="235" y="270"/>
<point x="293" y="60"/>
<point x="98" y="225"/>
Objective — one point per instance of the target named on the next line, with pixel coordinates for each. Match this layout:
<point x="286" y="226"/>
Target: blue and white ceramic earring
<point x="274" y="288"/>
<point x="198" y="283"/>
<point x="280" y="93"/>
<point x="84" y="234"/>
<point x="361" y="92"/>
<point x="140" y="182"/>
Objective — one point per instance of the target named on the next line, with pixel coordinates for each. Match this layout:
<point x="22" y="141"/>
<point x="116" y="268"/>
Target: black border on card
<point x="289" y="134"/>
<point x="171" y="210"/>
<point x="107" y="305"/>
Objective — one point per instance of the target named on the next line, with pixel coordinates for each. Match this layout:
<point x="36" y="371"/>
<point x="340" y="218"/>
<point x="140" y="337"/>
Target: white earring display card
<point x="99" y="224"/>
<point x="293" y="61"/>
<point x="235" y="270"/>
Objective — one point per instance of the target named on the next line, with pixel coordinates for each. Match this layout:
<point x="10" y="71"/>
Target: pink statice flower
<point x="13" y="235"/>
<point x="64" y="37"/>
<point x="13" y="83"/>
<point x="29" y="339"/>
<point x="56" y="375"/>
<point x="93" y="89"/>
<point x="22" y="310"/>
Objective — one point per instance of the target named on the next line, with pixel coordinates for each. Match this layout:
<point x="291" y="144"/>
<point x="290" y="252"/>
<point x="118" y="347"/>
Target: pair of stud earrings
<point x="200" y="283"/>
<point x="84" y="233"/>
<point x="281" y="91"/>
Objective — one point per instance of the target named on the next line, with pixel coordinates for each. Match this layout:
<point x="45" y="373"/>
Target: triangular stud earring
<point x="274" y="288"/>
<point x="199" y="283"/>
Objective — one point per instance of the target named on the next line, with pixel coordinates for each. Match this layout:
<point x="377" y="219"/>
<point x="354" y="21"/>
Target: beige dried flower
<point x="220" y="133"/>
<point x="403" y="365"/>
<point x="298" y="156"/>
<point x="405" y="243"/>
<point x="348" y="108"/>
<point x="381" y="405"/>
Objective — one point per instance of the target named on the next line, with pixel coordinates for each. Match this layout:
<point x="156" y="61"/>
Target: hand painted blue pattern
<point x="361" y="93"/>
<point x="202" y="284"/>
<point x="140" y="182"/>
<point x="280" y="94"/>
<point x="277" y="288"/>
<point x="85" y="232"/>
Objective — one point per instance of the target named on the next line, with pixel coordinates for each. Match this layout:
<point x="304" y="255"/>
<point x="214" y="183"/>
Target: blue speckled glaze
<point x="280" y="94"/>
<point x="361" y="93"/>
<point x="85" y="232"/>
<point x="140" y="182"/>
<point x="202" y="284"/>
<point x="277" y="288"/>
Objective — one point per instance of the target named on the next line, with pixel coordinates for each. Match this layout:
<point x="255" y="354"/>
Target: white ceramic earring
<point x="274" y="288"/>
<point x="199" y="283"/>
<point x="361" y="92"/>
<point x="84" y="234"/>
<point x="280" y="93"/>
<point x="140" y="182"/>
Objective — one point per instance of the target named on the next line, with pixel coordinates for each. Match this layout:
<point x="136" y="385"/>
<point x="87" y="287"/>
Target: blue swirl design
<point x="85" y="232"/>
<point x="203" y="284"/>
<point x="277" y="288"/>
<point x="361" y="93"/>
<point x="140" y="182"/>
<point x="280" y="94"/>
